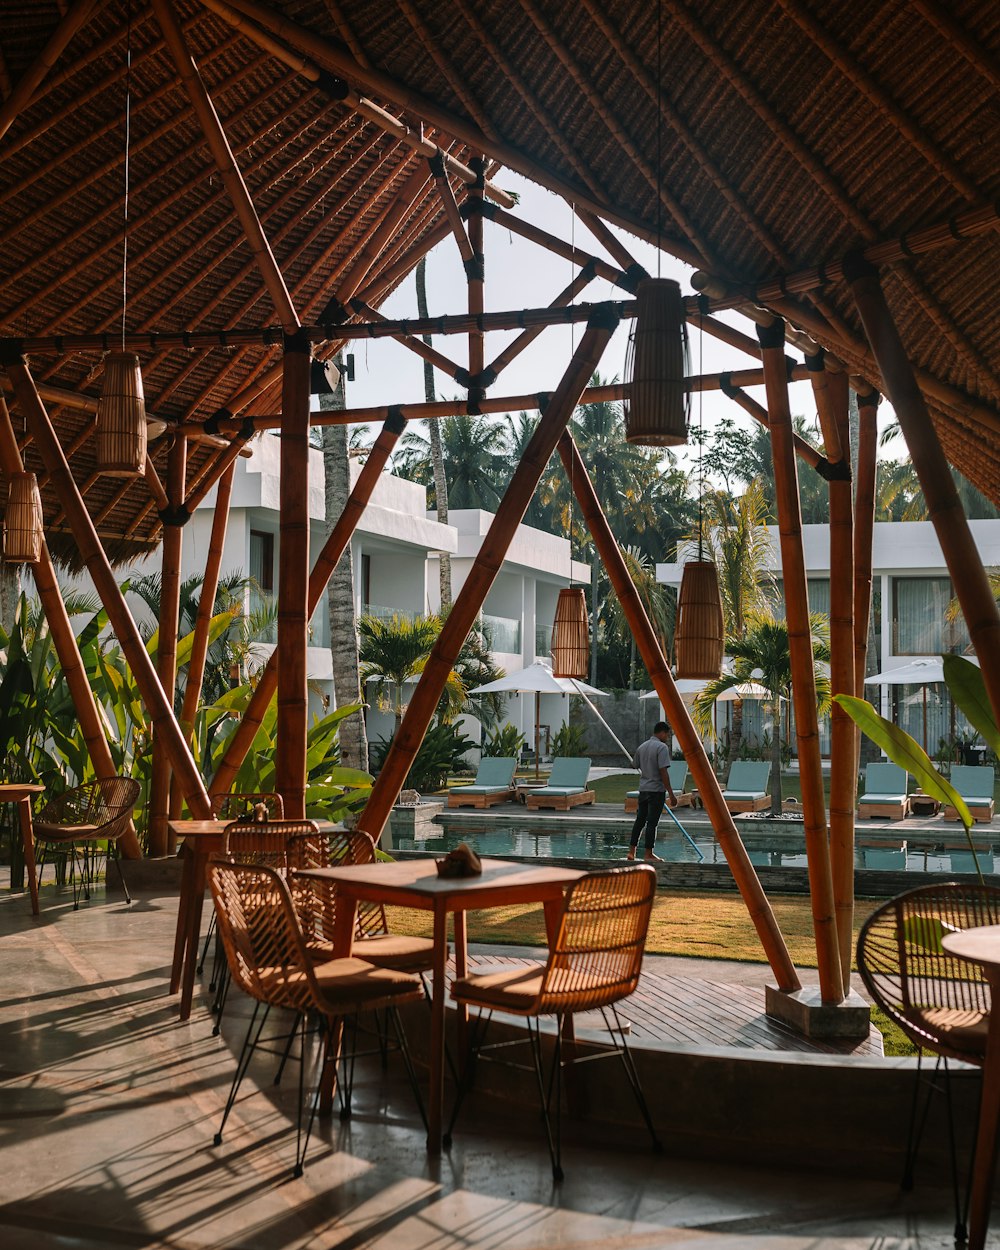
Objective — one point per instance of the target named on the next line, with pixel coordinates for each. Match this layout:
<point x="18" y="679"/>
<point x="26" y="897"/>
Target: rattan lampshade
<point x="121" y="417"/>
<point x="571" y="634"/>
<point x="22" y="534"/>
<point x="656" y="405"/>
<point x="699" y="636"/>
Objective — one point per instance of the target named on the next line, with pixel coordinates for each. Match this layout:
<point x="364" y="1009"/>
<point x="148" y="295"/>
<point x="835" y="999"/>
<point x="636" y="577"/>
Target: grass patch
<point x="700" y="925"/>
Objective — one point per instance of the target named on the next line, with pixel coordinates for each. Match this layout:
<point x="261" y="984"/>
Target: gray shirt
<point x="651" y="756"/>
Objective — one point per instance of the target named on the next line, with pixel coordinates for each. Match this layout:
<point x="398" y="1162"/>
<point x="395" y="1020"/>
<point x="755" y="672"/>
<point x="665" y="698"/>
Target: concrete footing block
<point x="805" y="1011"/>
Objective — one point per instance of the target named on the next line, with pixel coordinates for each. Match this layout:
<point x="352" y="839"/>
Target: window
<point x="262" y="559"/>
<point x="919" y="626"/>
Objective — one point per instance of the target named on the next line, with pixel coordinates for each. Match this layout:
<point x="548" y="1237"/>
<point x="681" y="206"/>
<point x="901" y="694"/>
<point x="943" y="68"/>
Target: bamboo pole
<point x="226" y="163"/>
<point x="475" y="273"/>
<point x="408" y="737"/>
<point x="451" y="209"/>
<point x="831" y="394"/>
<point x="206" y="610"/>
<point x="803" y="673"/>
<point x="513" y="349"/>
<point x="334" y="58"/>
<point x="694" y="751"/>
<point x="166" y="655"/>
<point x="864" y="530"/>
<point x="64" y="641"/>
<point x="293" y="581"/>
<point x="106" y="584"/>
<point x="20" y="97"/>
<point x="805" y="451"/>
<point x="944" y="507"/>
<point x="326" y="562"/>
<point x="417" y="346"/>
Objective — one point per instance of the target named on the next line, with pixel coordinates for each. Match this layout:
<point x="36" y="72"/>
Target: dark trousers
<point x="651" y="803"/>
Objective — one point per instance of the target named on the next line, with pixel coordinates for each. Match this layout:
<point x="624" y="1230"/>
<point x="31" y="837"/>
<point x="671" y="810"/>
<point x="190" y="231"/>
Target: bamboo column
<point x="772" y="339"/>
<point x="106" y="584"/>
<point x="831" y="394"/>
<point x="407" y="739"/>
<point x="475" y="272"/>
<point x="326" y="562"/>
<point x="166" y="654"/>
<point x="705" y="779"/>
<point x="972" y="586"/>
<point x="206" y="610"/>
<point x="293" y="579"/>
<point x="864" y="530"/>
<point x="65" y="642"/>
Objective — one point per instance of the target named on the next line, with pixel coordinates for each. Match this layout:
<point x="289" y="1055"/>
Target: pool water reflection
<point x="603" y="844"/>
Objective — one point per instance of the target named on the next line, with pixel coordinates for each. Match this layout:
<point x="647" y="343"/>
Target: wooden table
<point x="982" y="946"/>
<point x="199" y="839"/>
<point x="21" y="793"/>
<point x="415" y="883"/>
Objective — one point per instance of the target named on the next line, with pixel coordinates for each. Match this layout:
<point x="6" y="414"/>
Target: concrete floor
<point x="108" y="1105"/>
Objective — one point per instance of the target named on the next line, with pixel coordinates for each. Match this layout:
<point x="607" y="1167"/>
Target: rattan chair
<point x="84" y="823"/>
<point x="593" y="964"/>
<point x="316" y="904"/>
<point x="940" y="1002"/>
<point x="267" y="957"/>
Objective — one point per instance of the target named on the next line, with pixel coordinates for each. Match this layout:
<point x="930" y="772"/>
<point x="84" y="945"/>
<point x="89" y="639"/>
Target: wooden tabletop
<point x="980" y="945"/>
<point x="11" y="791"/>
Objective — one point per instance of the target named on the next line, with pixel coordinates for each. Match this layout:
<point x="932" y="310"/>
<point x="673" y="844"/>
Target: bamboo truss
<point x="864" y="529"/>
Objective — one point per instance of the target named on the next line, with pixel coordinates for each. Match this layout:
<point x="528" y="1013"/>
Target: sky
<point x="520" y="274"/>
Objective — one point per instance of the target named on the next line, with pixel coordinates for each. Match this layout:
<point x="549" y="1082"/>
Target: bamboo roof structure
<point x="761" y="142"/>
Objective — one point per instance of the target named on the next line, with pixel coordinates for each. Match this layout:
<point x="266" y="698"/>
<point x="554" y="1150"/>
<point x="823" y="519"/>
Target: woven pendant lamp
<point x="571" y="634"/>
<point x="22" y="533"/>
<point x="656" y="407"/>
<point x="121" y="417"/>
<point x="699" y="636"/>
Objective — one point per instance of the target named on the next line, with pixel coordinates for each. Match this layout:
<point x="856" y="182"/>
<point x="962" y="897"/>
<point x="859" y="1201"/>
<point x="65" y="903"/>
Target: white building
<point x="395" y="554"/>
<point x="911" y="590"/>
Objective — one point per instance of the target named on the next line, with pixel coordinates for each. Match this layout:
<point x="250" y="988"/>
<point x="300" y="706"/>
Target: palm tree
<point x="762" y="655"/>
<point x="741" y="548"/>
<point x="395" y="650"/>
<point x="475" y="458"/>
<point x="659" y="602"/>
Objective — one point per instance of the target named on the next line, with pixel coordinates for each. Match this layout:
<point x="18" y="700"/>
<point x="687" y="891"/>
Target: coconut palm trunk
<point x="340" y="598"/>
<point x="437" y="451"/>
<point x="776" y="797"/>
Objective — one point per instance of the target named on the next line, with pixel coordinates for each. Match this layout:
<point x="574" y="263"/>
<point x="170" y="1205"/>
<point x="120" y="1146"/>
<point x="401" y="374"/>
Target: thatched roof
<point x="787" y="135"/>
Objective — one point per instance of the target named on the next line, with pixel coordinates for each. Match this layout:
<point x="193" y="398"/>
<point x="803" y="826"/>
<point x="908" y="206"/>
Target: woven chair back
<point x="264" y="945"/>
<point x="908" y="972"/>
<point x="106" y="803"/>
<point x="263" y="842"/>
<point x="597" y="955"/>
<point x="316" y="900"/>
<point x="241" y="804"/>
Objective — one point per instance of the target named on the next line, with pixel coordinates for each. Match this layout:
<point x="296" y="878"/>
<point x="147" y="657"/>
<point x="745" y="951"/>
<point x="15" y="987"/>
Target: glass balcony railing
<point x="504" y="633"/>
<point x="383" y="613"/>
<point x="543" y="640"/>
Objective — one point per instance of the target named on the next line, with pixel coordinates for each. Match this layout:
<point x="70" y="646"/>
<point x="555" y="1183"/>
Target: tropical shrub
<point x="504" y="741"/>
<point x="569" y="740"/>
<point x="441" y="753"/>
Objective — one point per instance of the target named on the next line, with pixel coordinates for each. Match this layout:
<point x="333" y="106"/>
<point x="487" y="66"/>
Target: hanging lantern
<point x="656" y="407"/>
<point x="571" y="634"/>
<point x="22" y="535"/>
<point x="699" y="636"/>
<point x="121" y="417"/>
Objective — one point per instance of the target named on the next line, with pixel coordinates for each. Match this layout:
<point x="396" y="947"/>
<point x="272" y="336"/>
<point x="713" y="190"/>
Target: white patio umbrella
<point x="928" y="671"/>
<point x="538" y="679"/>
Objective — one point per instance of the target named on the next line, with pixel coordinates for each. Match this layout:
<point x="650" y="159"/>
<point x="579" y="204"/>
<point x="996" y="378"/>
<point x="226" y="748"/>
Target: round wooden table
<point x="982" y="946"/>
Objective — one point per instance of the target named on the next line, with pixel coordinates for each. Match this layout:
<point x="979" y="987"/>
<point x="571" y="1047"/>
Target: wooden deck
<point x="692" y="1012"/>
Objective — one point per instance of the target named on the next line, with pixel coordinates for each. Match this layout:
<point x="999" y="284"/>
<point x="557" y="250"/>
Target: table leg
<point x="28" y="841"/>
<point x="199" y="862"/>
<point x="183" y="907"/>
<point x="461" y="1009"/>
<point x="435" y="1102"/>
<point x="345" y="921"/>
<point x="986" y="1139"/>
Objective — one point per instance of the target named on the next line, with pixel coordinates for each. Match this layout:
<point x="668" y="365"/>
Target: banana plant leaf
<point x="965" y="681"/>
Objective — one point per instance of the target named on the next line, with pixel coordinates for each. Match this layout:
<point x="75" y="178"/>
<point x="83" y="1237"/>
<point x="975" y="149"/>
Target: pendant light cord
<point x="659" y="137"/>
<point x="128" y="136"/>
<point x="701" y="437"/>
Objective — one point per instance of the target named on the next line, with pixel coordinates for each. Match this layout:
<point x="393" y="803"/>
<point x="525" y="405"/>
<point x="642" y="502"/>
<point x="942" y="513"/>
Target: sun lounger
<point x="678" y="779"/>
<point x="748" y="787"/>
<point x="885" y="792"/>
<point x="975" y="784"/>
<point x="566" y="788"/>
<point x="883" y="855"/>
<point x="494" y="784"/>
<point x="962" y="859"/>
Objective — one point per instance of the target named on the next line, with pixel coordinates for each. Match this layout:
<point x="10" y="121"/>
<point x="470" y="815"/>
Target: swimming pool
<point x="786" y="851"/>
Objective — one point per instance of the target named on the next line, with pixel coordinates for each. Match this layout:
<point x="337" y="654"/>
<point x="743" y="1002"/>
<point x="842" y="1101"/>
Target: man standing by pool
<point x="653" y="762"/>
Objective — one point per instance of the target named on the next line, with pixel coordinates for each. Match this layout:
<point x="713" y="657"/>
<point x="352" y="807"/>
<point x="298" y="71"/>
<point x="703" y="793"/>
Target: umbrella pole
<point x="538" y="730"/>
<point x="924" y="692"/>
